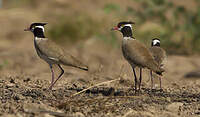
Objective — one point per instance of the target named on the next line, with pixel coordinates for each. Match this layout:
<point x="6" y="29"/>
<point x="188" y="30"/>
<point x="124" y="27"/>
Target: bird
<point x="159" y="55"/>
<point x="136" y="52"/>
<point x="50" y="52"/>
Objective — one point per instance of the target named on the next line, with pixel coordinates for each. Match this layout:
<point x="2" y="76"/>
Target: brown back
<point x="136" y="52"/>
<point x="158" y="53"/>
<point x="52" y="50"/>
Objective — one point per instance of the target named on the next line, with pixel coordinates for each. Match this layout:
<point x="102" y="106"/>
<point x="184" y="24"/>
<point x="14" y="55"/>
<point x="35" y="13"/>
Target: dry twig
<point x="102" y="83"/>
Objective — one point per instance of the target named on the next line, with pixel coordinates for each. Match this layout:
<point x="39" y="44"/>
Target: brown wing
<point x="55" y="52"/>
<point x="158" y="53"/>
<point x="140" y="55"/>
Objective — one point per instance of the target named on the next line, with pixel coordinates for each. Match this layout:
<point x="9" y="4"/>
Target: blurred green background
<point x="175" y="22"/>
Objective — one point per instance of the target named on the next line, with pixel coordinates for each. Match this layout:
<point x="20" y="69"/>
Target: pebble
<point x="78" y="114"/>
<point x="9" y="85"/>
<point x="174" y="107"/>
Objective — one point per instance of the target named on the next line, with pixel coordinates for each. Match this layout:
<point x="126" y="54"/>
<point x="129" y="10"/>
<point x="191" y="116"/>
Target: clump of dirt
<point x="22" y="95"/>
<point x="25" y="79"/>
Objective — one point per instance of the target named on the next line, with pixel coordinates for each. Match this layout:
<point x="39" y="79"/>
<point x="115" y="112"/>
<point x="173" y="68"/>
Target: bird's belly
<point x="130" y="60"/>
<point x="47" y="59"/>
<point x="126" y="56"/>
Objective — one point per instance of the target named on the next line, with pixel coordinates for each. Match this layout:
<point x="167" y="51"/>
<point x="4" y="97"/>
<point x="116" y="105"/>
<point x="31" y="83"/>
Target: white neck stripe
<point x="37" y="38"/>
<point x="128" y="38"/>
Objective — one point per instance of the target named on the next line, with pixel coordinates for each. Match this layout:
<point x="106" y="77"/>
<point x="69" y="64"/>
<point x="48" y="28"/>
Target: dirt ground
<point x="25" y="79"/>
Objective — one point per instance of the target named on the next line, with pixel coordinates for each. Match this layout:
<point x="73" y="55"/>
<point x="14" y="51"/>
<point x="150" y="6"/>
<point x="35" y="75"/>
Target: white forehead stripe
<point x="155" y="42"/>
<point x="128" y="25"/>
<point x="42" y="27"/>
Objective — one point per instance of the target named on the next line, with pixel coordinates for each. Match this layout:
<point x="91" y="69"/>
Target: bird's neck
<point x="127" y="32"/>
<point x="128" y="38"/>
<point x="38" y="33"/>
<point x="40" y="39"/>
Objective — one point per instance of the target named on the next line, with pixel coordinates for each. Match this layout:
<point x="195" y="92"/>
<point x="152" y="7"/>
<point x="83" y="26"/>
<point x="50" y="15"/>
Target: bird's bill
<point x="27" y="29"/>
<point x="115" y="28"/>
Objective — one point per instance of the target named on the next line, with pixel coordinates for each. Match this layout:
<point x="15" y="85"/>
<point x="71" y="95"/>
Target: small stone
<point x="78" y="114"/>
<point x="168" y="99"/>
<point x="174" y="107"/>
<point x="133" y="113"/>
<point x="8" y="115"/>
<point x="19" y="115"/>
<point x="48" y="115"/>
<point x="167" y="114"/>
<point x="27" y="80"/>
<point x="10" y="85"/>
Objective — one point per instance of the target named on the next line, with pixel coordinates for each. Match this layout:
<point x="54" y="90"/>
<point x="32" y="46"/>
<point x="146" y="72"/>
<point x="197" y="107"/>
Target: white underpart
<point x="42" y="27"/>
<point x="155" y="42"/>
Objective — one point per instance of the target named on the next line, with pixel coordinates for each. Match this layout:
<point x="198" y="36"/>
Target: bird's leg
<point x="52" y="80"/>
<point x="140" y="78"/>
<point x="62" y="71"/>
<point x="151" y="80"/>
<point x="160" y="83"/>
<point x="135" y="79"/>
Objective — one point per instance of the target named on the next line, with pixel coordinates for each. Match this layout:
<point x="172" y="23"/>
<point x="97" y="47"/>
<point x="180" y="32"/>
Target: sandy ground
<point x="25" y="80"/>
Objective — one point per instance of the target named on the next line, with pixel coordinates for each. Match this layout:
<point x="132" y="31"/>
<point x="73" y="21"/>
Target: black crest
<point x="38" y="32"/>
<point x="37" y="24"/>
<point x="126" y="30"/>
<point x="124" y="22"/>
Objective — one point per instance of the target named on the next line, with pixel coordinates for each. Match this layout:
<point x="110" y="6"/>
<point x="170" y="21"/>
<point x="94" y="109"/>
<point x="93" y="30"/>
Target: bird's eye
<point x="122" y="26"/>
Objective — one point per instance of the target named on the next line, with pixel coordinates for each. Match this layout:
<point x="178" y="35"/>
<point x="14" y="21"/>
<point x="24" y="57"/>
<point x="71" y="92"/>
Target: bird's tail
<point x="72" y="61"/>
<point x="155" y="68"/>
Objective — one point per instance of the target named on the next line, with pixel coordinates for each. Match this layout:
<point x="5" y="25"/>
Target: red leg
<point x="140" y="78"/>
<point x="62" y="72"/>
<point x="151" y="80"/>
<point x="160" y="83"/>
<point x="135" y="79"/>
<point x="52" y="77"/>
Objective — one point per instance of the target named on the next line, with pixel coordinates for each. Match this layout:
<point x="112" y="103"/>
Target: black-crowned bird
<point x="159" y="55"/>
<point x="135" y="52"/>
<point x="51" y="52"/>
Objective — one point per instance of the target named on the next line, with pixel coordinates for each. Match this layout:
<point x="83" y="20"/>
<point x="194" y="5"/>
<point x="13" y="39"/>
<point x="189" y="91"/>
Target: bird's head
<point x="122" y="25"/>
<point x="155" y="42"/>
<point x="37" y="29"/>
<point x="33" y="26"/>
<point x="125" y="28"/>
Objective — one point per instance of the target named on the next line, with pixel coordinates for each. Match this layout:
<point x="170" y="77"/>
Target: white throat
<point x="38" y="38"/>
<point x="42" y="27"/>
<point x="128" y="38"/>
